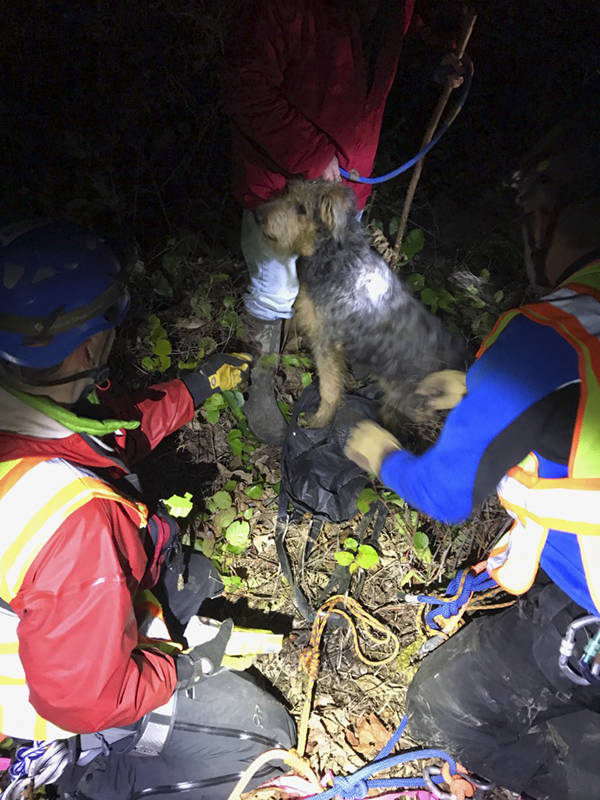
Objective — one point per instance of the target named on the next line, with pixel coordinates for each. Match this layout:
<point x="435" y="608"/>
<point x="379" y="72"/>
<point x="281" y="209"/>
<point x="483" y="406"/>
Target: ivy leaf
<point x="306" y="379"/>
<point x="365" y="499"/>
<point x="255" y="491"/>
<point x="344" y="558"/>
<point x="420" y="541"/>
<point x="291" y="361"/>
<point x="367" y="557"/>
<point x="221" y="499"/>
<point x="351" y="544"/>
<point x="224" y="517"/>
<point x="162" y="347"/>
<point x="164" y="362"/>
<point x="416" y="281"/>
<point x="230" y="485"/>
<point x="413" y="243"/>
<point x="238" y="536"/>
<point x="149" y="363"/>
<point x="162" y="286"/>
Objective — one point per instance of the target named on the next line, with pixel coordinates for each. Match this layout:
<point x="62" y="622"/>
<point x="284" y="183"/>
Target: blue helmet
<point x="59" y="285"/>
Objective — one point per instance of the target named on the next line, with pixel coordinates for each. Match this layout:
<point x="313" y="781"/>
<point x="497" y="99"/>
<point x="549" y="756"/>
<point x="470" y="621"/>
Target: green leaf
<point x="149" y="363"/>
<point x="237" y="447"/>
<point x="229" y="301"/>
<point x="221" y="499"/>
<point x="162" y="347"/>
<point x="248" y="513"/>
<point x="255" y="491"/>
<point x="344" y="558"/>
<point x="306" y="379"/>
<point x="365" y="499"/>
<point x="430" y="298"/>
<point x="237" y="535"/>
<point x="416" y="281"/>
<point x="219" y="277"/>
<point x="231" y="485"/>
<point x="224" y="517"/>
<point x="229" y="318"/>
<point x="231" y="582"/>
<point x="393" y="225"/>
<point x="367" y="557"/>
<point x="201" y="306"/>
<point x="420" y="541"/>
<point x="413" y="243"/>
<point x="351" y="544"/>
<point x="291" y="361"/>
<point x="446" y="300"/>
<point x="164" y="362"/>
<point x="233" y="398"/>
<point x="285" y="409"/>
<point x="498" y="296"/>
<point x="187" y="364"/>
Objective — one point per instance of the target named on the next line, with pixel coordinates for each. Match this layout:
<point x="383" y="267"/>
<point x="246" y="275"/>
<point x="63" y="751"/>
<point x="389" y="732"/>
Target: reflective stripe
<point x="569" y="505"/>
<point x="513" y="563"/>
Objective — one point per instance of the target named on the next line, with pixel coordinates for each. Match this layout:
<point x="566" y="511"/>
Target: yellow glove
<point x="369" y="444"/>
<point x="220" y="372"/>
<point x="227" y="370"/>
<point x="443" y="389"/>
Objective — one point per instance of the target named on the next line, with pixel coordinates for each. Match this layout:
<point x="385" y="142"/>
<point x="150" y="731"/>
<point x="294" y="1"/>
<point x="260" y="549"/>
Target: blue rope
<point x="357" y="785"/>
<point x="353" y="176"/>
<point x="448" y="608"/>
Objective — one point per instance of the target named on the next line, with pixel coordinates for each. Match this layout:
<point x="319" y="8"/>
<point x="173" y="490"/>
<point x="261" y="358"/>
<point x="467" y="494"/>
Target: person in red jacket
<point x="304" y="83"/>
<point x="86" y="567"/>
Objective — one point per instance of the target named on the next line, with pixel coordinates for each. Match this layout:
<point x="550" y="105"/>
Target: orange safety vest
<point x="570" y="504"/>
<point x="36" y="497"/>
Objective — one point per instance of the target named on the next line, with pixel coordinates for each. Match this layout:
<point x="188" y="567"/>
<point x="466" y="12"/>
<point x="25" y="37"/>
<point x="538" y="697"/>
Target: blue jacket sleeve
<point x="527" y="362"/>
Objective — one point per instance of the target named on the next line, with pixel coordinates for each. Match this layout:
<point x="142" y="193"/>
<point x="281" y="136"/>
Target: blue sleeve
<point x="527" y="362"/>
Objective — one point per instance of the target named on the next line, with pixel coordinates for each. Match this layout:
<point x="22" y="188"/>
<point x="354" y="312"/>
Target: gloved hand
<point x="220" y="372"/>
<point x="369" y="444"/>
<point x="203" y="660"/>
<point x="443" y="389"/>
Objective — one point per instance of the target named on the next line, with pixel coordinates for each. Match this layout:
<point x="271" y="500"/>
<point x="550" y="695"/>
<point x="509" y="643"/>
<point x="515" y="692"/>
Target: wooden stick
<point x="431" y="128"/>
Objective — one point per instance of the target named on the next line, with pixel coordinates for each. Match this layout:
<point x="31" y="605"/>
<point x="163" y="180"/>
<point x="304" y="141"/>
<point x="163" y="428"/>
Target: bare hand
<point x="332" y="171"/>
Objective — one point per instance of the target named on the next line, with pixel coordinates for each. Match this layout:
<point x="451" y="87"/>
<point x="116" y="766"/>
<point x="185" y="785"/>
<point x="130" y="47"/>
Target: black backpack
<point x="317" y="478"/>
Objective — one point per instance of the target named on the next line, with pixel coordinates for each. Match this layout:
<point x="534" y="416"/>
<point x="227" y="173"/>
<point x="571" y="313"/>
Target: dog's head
<point x="308" y="213"/>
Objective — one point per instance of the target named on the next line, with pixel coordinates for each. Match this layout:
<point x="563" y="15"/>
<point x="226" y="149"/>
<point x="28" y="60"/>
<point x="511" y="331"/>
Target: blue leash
<point x="357" y="785"/>
<point x="353" y="174"/>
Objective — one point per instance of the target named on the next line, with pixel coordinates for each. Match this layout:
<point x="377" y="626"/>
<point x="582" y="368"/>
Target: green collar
<point x="67" y="418"/>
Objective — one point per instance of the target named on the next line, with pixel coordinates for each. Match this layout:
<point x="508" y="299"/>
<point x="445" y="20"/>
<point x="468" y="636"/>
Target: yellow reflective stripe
<point x="589" y="275"/>
<point x="40" y="728"/>
<point x="589" y="548"/>
<point x="568" y="510"/>
<point x="18" y="557"/>
<point x="6" y="466"/>
<point x="6" y="680"/>
<point x="8" y="648"/>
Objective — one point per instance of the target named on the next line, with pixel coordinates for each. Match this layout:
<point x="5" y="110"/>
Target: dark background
<point x="110" y="111"/>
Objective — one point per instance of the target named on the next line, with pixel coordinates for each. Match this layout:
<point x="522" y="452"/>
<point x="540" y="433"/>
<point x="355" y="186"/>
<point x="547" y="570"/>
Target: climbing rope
<point x="447" y="612"/>
<point x="357" y="785"/>
<point x="34" y="766"/>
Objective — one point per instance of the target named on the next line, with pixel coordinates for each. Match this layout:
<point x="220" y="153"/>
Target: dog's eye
<point x="301" y="209"/>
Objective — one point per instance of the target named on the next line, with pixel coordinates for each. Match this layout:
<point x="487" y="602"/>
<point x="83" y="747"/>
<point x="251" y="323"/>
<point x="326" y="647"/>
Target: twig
<point x="431" y="128"/>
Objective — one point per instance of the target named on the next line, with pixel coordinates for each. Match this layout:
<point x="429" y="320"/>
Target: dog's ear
<point x="336" y="203"/>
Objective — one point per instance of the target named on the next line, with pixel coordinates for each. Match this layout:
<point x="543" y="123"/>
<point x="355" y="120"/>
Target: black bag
<point x="317" y="478"/>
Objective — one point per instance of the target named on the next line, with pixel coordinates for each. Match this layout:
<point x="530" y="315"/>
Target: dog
<point x="351" y="306"/>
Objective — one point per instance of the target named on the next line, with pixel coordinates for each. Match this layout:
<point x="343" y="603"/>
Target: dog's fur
<point x="351" y="306"/>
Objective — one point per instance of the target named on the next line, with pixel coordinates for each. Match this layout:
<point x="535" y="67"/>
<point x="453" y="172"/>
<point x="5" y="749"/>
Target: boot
<point x="263" y="340"/>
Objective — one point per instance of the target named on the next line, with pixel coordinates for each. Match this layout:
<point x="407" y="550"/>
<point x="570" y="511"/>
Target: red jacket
<point x="77" y="630"/>
<point x="295" y="87"/>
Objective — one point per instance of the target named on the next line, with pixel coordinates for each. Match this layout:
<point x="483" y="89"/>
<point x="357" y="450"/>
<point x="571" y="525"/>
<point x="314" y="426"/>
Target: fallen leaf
<point x="369" y="736"/>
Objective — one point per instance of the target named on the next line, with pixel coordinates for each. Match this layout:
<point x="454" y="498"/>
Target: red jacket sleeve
<point x="252" y="77"/>
<point x="161" y="410"/>
<point x="78" y="633"/>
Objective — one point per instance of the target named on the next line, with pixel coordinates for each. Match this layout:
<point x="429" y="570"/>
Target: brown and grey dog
<point x="351" y="307"/>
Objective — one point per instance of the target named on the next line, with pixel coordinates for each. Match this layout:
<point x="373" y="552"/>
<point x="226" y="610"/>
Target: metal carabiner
<point x="435" y="790"/>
